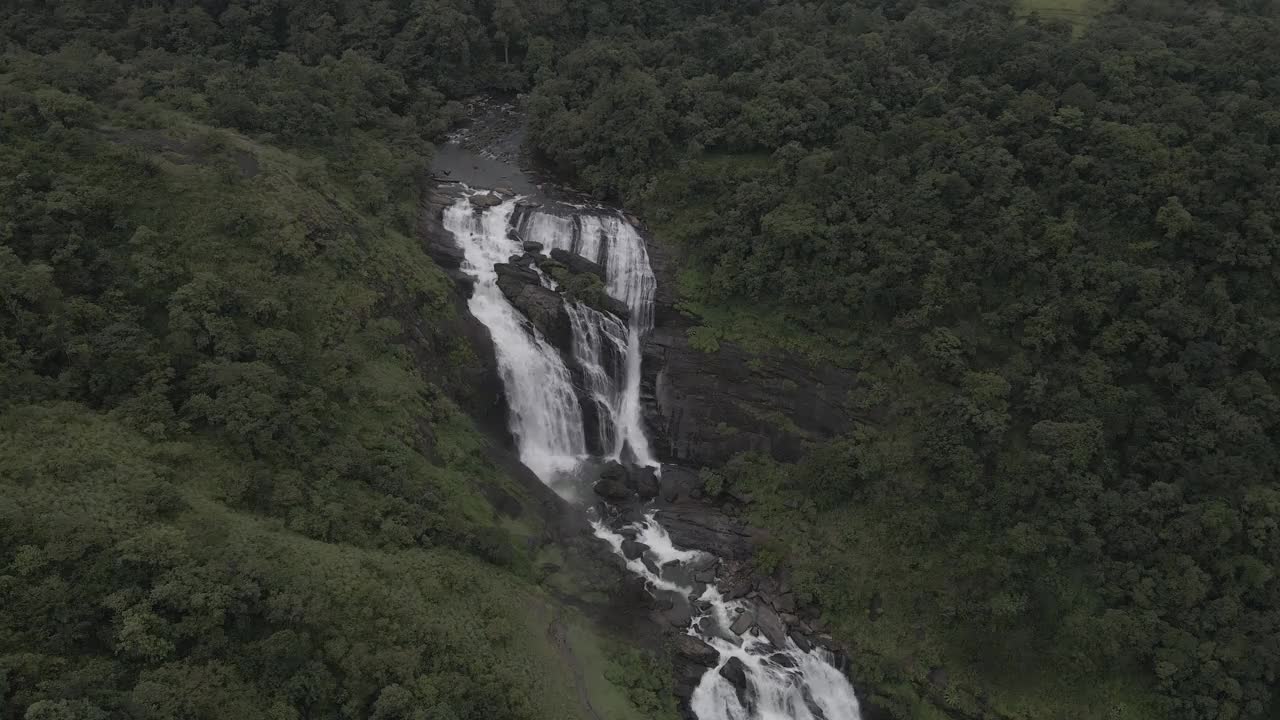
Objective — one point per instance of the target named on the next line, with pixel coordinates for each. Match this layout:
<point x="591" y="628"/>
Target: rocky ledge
<point x="702" y="407"/>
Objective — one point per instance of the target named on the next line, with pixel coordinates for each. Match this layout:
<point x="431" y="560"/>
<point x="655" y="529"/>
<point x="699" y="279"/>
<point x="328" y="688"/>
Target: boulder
<point x="704" y="562"/>
<point x="446" y="255"/>
<point x="679" y="615"/>
<point x="698" y="590"/>
<point x="486" y="200"/>
<point x="576" y="263"/>
<point x="516" y="274"/>
<point x="649" y="563"/>
<point x="785" y="603"/>
<point x="542" y="306"/>
<point x="632" y="549"/>
<point x="736" y="673"/>
<point x="612" y="489"/>
<point x="688" y="675"/>
<point x="802" y="641"/>
<point x="462" y="282"/>
<point x="531" y="246"/>
<point x="782" y="660"/>
<point x="737" y="589"/>
<point x="676" y="573"/>
<point x="696" y="651"/>
<point x="645" y="482"/>
<point x="705" y="576"/>
<point x="678" y="481"/>
<point x="709" y="626"/>
<point x="771" y="625"/>
<point x="614" y="470"/>
<point x="614" y="306"/>
<point x="742" y="623"/>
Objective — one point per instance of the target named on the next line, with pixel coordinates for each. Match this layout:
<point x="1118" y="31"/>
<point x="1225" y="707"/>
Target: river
<point x="760" y="672"/>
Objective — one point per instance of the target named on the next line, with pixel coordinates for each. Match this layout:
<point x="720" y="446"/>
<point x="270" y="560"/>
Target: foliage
<point x="229" y="487"/>
<point x="1049" y="256"/>
<point x="645" y="678"/>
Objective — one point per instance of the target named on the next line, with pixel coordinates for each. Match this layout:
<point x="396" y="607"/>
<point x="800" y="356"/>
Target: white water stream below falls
<point x="546" y="418"/>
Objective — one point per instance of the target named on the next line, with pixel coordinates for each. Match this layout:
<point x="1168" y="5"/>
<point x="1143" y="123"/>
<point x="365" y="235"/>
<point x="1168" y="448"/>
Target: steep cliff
<point x="703" y="407"/>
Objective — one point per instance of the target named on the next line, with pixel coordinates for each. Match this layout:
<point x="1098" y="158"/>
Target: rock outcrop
<point x="477" y="387"/>
<point x="696" y="651"/>
<point x="543" y="307"/>
<point x="576" y="263"/>
<point x="703" y="407"/>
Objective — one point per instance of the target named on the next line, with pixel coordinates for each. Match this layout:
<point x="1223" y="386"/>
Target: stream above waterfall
<point x="571" y="374"/>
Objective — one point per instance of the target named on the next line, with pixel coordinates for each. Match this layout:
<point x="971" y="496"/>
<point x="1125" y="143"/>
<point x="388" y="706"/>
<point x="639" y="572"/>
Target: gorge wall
<point x="702" y="408"/>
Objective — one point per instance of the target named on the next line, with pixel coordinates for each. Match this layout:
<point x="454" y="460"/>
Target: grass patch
<point x="1076" y="12"/>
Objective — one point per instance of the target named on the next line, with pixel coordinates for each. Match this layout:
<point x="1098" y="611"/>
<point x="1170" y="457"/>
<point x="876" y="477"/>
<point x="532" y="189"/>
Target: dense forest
<point x="1050" y="254"/>
<point x="1046" y="250"/>
<point x="237" y="476"/>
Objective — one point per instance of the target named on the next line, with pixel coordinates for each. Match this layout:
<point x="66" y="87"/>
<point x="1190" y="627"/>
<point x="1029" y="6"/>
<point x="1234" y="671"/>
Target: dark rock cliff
<point x="701" y="408"/>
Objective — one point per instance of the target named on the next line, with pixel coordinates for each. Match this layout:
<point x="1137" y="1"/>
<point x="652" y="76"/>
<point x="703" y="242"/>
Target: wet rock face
<point x="696" y="651"/>
<point x="645" y="482"/>
<point x="736" y="673"/>
<point x="479" y="390"/>
<point x="701" y="408"/>
<point x="576" y="263"/>
<point x="543" y="307"/>
<point x="486" y="200"/>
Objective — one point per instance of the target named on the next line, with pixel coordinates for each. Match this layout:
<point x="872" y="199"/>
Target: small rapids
<point x="547" y="420"/>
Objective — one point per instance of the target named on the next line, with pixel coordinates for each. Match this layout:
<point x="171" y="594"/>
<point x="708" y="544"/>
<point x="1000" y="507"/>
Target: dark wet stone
<point x="802" y="641"/>
<point x="742" y="623"/>
<point x="632" y="549"/>
<point x="650" y="564"/>
<point x="709" y="626"/>
<point x="576" y="263"/>
<point x="785" y="603"/>
<point x="695" y="650"/>
<point x="735" y="672"/>
<point x="645" y="482"/>
<point x="771" y="625"/>
<point x="679" y="615"/>
<point x="486" y="200"/>
<point x="782" y="660"/>
<point x="612" y="490"/>
<point x="445" y="254"/>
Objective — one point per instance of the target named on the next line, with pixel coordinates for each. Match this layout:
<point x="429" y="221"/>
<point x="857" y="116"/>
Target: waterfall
<point x="548" y="423"/>
<point x="600" y="347"/>
<point x="615" y="245"/>
<point x="545" y="417"/>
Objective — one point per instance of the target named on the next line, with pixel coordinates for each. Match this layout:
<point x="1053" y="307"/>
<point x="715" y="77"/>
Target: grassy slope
<point x="71" y="473"/>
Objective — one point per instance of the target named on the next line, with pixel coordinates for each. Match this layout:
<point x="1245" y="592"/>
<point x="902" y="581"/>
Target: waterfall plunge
<point x="618" y="248"/>
<point x="546" y="419"/>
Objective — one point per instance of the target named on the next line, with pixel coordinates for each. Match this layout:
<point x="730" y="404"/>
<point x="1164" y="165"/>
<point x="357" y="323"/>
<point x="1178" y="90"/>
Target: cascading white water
<point x="614" y="244"/>
<point x="782" y="683"/>
<point x="545" y="417"/>
<point x="600" y="348"/>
